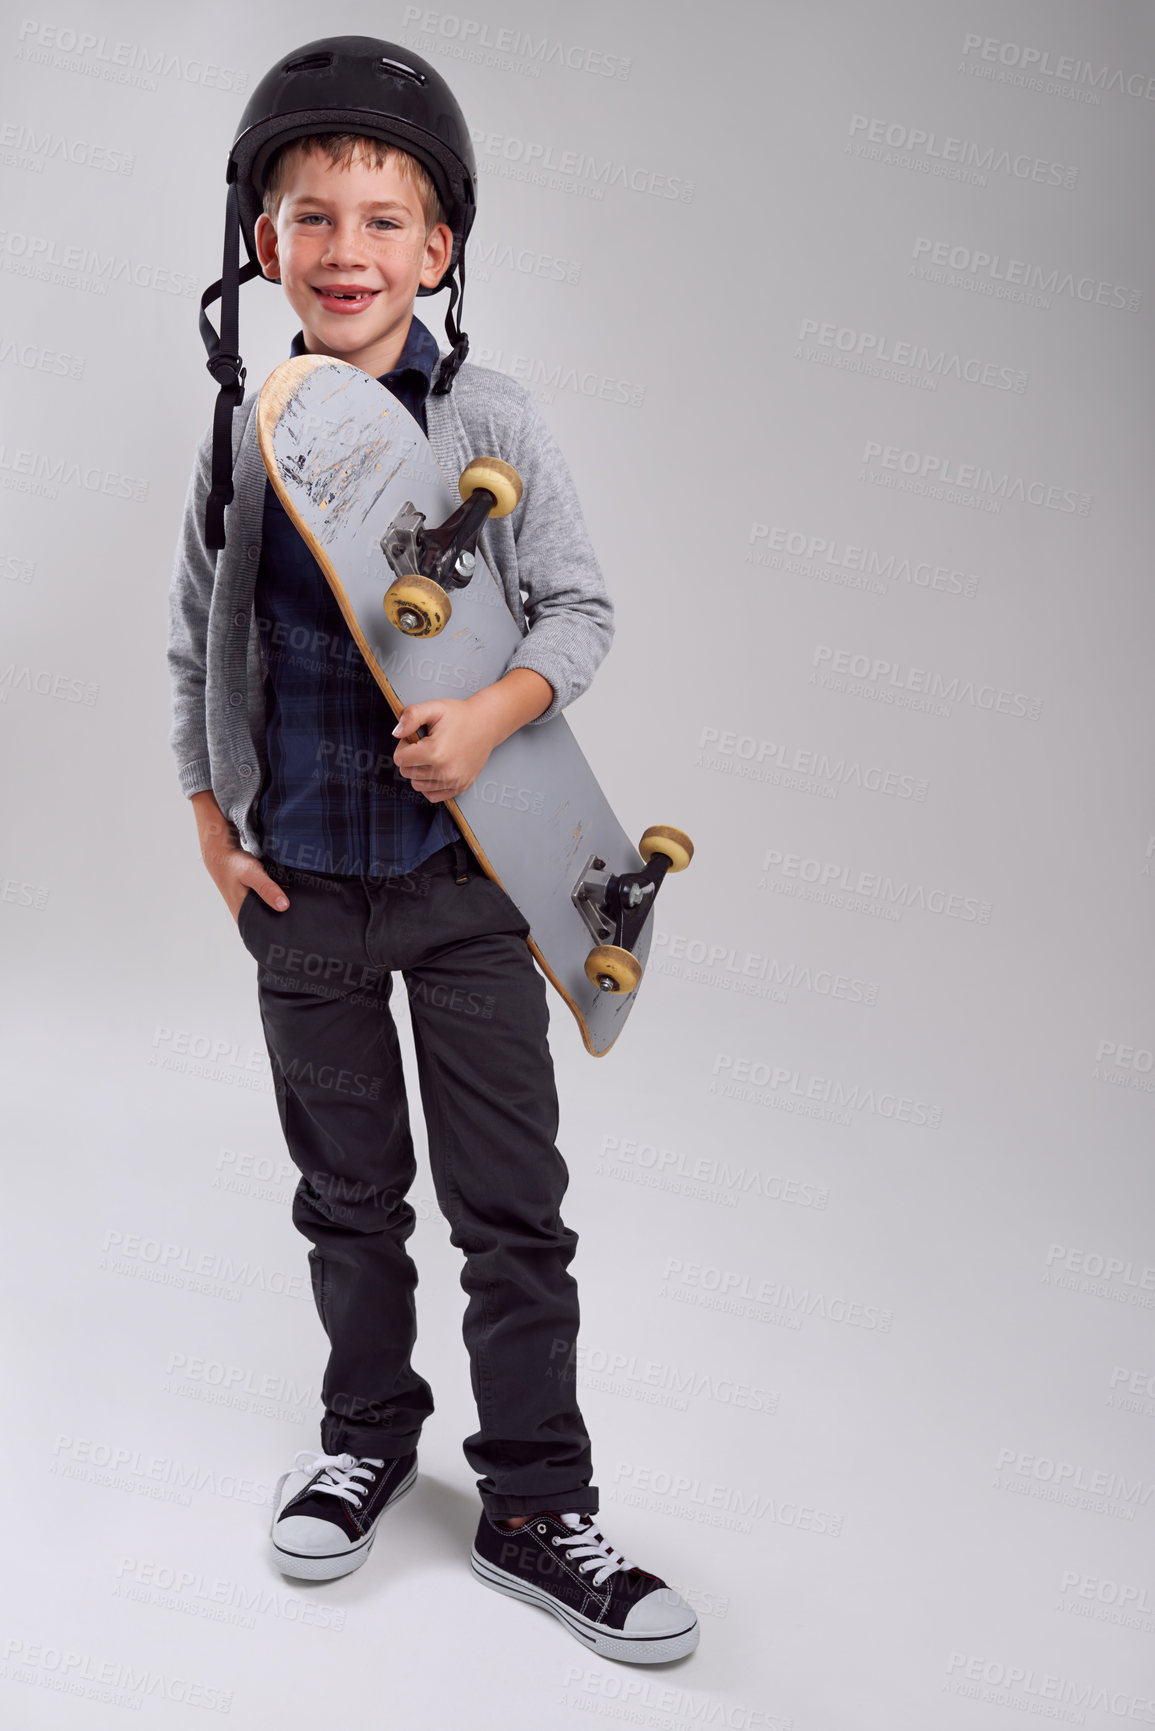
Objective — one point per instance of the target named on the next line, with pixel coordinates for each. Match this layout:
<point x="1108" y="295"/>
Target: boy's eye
<point x="311" y="216"/>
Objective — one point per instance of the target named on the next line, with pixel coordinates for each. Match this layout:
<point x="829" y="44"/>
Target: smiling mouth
<point x="353" y="296"/>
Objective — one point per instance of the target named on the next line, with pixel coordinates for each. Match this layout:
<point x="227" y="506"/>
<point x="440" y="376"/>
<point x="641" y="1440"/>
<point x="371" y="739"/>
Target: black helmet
<point x="338" y="84"/>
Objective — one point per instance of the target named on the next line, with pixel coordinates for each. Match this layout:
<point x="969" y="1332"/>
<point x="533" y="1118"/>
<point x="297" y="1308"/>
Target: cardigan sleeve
<point x="190" y="592"/>
<point x="568" y="611"/>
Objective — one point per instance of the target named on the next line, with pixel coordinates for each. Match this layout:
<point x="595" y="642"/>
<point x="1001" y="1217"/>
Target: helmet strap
<point x="225" y="365"/>
<point x="458" y="341"/>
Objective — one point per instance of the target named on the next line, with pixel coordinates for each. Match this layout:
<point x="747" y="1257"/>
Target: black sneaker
<point x="563" y="1563"/>
<point x="326" y="1509"/>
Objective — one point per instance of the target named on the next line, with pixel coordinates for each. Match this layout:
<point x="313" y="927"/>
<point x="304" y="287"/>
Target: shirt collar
<point x="420" y="354"/>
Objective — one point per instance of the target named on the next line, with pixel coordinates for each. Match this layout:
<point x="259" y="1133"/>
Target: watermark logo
<point x="211" y="1273"/>
<point x="1132" y="1390"/>
<point x="24" y="145"/>
<point x="131" y="1683"/>
<point x="485" y="257"/>
<point x="718" y="1505"/>
<point x="1047" y="1694"/>
<point x="216" y="1060"/>
<point x="1072" y="1483"/>
<point x="1098" y="1274"/>
<point x="1002" y="277"/>
<point x="544" y="379"/>
<point x="1125" y="1066"/>
<point x="503" y="47"/>
<point x="746" y="972"/>
<point x="705" y="1177"/>
<point x="935" y="475"/>
<point x="508" y="795"/>
<point x="173" y="1587"/>
<point x="737" y="1292"/>
<point x="23" y="895"/>
<point x="238" y="1387"/>
<point x="429" y="670"/>
<point x="845" y="565"/>
<point x="805" y="769"/>
<point x="257" y="1175"/>
<point x="876" y="893"/>
<point x="1124" y="1604"/>
<point x="35" y="359"/>
<point x="652" y="1380"/>
<point x="784" y="1089"/>
<point x="901" y="360"/>
<point x="577" y="172"/>
<point x="76" y="266"/>
<point x="925" y="689"/>
<point x="43" y="473"/>
<point x="13" y="569"/>
<point x="945" y="157"/>
<point x="664" y="1706"/>
<point x="113" y="61"/>
<point x="161" y="1478"/>
<point x="1044" y="69"/>
<point x="43" y="682"/>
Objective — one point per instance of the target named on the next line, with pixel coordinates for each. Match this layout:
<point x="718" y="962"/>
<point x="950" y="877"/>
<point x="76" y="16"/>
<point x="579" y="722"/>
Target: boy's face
<point x="352" y="232"/>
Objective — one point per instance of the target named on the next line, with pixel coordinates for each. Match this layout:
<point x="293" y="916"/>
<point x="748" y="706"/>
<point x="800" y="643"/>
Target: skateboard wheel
<point x="613" y="969"/>
<point x="417" y="606"/>
<point x="501" y="479"/>
<point x="674" y="843"/>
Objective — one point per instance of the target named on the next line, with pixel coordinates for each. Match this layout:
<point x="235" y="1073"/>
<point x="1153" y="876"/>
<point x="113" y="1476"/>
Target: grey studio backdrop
<point x="841" y="314"/>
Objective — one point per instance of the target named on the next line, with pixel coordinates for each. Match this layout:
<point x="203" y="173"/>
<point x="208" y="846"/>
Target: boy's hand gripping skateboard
<point x="356" y="475"/>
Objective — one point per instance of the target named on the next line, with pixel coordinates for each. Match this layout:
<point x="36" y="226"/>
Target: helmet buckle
<point x="227" y="369"/>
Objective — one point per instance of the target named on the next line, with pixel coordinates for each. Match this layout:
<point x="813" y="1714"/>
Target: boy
<point x="353" y="181"/>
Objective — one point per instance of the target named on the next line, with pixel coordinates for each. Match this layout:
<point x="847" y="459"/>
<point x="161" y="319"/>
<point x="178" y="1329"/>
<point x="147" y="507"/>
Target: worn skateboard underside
<point x="344" y="457"/>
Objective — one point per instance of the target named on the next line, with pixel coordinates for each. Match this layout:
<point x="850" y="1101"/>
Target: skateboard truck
<point x="429" y="562"/>
<point x="616" y="905"/>
<point x="446" y="554"/>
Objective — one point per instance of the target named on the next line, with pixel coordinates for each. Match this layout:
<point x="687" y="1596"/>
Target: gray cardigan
<point x="216" y="664"/>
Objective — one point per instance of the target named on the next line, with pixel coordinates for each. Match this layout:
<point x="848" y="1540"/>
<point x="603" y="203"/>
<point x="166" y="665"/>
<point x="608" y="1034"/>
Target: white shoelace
<point x="589" y="1542"/>
<point x="341" y="1473"/>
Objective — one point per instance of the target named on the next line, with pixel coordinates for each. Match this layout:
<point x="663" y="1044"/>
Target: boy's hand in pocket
<point x="232" y="868"/>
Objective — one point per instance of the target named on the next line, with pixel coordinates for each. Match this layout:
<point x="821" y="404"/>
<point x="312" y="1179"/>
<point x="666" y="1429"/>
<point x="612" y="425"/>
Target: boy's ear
<point x="265" y="237"/>
<point x="438" y="250"/>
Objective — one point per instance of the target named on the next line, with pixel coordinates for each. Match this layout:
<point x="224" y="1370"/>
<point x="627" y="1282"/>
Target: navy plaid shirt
<point x="333" y="800"/>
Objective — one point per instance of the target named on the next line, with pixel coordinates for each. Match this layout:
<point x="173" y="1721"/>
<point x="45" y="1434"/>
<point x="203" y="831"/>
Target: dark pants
<point x="479" y="1017"/>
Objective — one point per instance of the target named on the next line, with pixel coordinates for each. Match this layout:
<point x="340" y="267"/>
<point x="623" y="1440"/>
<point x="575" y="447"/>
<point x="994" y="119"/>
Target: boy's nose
<point x="346" y="246"/>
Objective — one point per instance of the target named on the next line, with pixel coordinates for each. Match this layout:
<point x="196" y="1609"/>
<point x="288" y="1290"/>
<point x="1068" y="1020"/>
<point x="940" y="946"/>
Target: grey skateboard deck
<point x="345" y="458"/>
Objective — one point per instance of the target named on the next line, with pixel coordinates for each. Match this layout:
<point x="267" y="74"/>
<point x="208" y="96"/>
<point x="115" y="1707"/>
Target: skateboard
<point x="356" y="475"/>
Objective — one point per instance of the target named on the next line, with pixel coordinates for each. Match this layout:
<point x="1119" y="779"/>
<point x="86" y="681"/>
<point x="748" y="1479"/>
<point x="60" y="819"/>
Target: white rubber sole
<point x="609" y="1643"/>
<point x="302" y="1566"/>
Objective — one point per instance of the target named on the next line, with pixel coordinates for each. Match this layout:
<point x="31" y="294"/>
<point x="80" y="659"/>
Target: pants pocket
<point x="250" y="897"/>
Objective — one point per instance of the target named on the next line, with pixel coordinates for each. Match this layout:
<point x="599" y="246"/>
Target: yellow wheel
<point x="417" y="606"/>
<point x="613" y="969"/>
<point x="674" y="843"/>
<point x="502" y="480"/>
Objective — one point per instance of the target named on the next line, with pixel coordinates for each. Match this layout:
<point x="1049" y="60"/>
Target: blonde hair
<point x="340" y="148"/>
